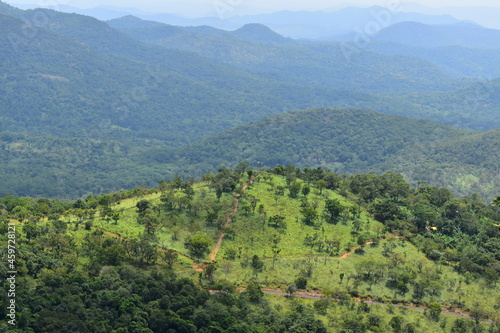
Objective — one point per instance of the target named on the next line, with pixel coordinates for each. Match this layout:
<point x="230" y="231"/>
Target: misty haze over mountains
<point x="339" y="20"/>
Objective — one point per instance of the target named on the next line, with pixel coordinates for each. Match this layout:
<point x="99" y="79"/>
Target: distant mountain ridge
<point x="261" y="33"/>
<point x="294" y="24"/>
<point x="430" y="36"/>
<point x="324" y="65"/>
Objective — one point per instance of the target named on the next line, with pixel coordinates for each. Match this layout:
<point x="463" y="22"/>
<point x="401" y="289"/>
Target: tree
<point x="177" y="182"/>
<point x="294" y="189"/>
<point x="321" y="305"/>
<point x="478" y="312"/>
<point x="142" y="206"/>
<point x="277" y="221"/>
<point x="253" y="202"/>
<point x="396" y="323"/>
<point x="106" y="213"/>
<point x="212" y="214"/>
<point x="210" y="268"/>
<point x="434" y="310"/>
<point x="301" y="282"/>
<point x="306" y="190"/>
<point x="386" y="210"/>
<point x="230" y="254"/>
<point x="354" y="323"/>
<point x="170" y="257"/>
<point x="257" y="264"/>
<point x="254" y="292"/>
<point x="218" y="192"/>
<point x="291" y="289"/>
<point x="31" y="230"/>
<point x="150" y="221"/>
<point x="333" y="210"/>
<point x="188" y="189"/>
<point x="115" y="217"/>
<point x="321" y="185"/>
<point x="198" y="245"/>
<point x="310" y="214"/>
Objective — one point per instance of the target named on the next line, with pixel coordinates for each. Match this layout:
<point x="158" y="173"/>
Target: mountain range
<point x="295" y="24"/>
<point x="89" y="106"/>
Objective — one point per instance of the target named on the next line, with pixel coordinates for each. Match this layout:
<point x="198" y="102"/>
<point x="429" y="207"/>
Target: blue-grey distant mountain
<point x="294" y="24"/>
<point x="325" y="65"/>
<point x="322" y="25"/>
<point x="457" y="61"/>
<point x="260" y="33"/>
<point x="81" y="102"/>
<point x="423" y="35"/>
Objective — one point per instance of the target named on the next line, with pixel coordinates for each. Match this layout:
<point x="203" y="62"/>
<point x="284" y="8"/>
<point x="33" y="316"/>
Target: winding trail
<point x="217" y="246"/>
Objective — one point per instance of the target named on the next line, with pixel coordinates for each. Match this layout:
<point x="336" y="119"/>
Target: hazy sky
<point x="155" y="5"/>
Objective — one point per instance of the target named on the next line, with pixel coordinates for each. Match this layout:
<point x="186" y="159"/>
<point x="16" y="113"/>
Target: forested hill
<point x="204" y="257"/>
<point x="352" y="141"/>
<point x="62" y="86"/>
<point x="326" y="65"/>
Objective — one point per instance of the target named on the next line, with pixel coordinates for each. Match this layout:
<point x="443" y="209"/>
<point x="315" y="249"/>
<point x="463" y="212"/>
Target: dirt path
<point x="217" y="246"/>
<point x="346" y="255"/>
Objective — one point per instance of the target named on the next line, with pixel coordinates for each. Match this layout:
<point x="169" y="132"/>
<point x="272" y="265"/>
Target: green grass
<point x="253" y="234"/>
<point x="326" y="274"/>
<point x="177" y="225"/>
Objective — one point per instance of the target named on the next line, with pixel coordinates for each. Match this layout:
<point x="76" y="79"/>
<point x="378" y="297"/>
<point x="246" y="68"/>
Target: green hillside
<point x="353" y="141"/>
<point x="458" y="61"/>
<point x="147" y="258"/>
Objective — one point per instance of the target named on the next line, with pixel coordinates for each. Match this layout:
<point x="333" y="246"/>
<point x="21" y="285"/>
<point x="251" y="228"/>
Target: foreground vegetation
<point x="143" y="260"/>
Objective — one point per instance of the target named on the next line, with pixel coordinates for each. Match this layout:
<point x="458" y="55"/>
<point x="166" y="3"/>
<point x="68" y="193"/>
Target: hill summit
<point x="260" y="32"/>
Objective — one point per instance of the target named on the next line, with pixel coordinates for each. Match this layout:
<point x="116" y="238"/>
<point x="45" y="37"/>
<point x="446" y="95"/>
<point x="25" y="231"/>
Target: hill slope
<point x="300" y="231"/>
<point x="423" y="35"/>
<point x="351" y="141"/>
<point x="455" y="60"/>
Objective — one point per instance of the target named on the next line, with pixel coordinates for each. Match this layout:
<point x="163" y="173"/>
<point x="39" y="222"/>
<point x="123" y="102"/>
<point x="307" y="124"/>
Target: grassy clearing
<point x="326" y="275"/>
<point x="254" y="234"/>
